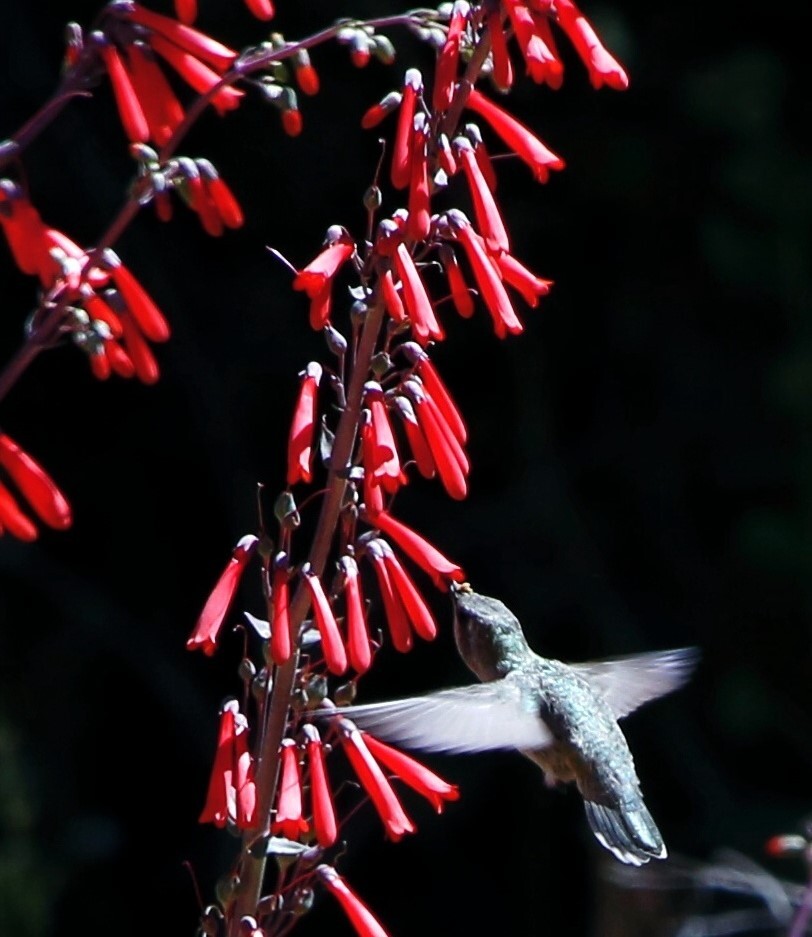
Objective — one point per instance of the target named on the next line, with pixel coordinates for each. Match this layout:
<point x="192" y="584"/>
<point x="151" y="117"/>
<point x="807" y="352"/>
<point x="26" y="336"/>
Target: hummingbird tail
<point x="631" y="835"/>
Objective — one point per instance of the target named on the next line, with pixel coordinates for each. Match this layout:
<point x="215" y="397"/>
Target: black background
<point x="641" y="473"/>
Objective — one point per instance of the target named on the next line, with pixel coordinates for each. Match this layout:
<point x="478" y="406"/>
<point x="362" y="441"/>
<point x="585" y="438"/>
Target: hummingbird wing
<point x="474" y="718"/>
<point x="628" y="682"/>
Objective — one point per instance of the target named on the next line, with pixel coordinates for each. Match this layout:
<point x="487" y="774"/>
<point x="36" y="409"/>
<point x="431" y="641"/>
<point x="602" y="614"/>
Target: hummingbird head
<point x="489" y="636"/>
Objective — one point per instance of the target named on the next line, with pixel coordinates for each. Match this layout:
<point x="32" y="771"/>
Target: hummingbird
<point x="563" y="717"/>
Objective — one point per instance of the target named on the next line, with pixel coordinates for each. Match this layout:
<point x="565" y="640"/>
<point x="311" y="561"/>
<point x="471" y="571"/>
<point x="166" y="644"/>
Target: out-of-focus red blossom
<point x="36" y="486"/>
<point x="375" y="783"/>
<point x="359" y="647"/>
<point x="288" y="819"/>
<point x="418" y="549"/>
<point x="325" y="825"/>
<point x="375" y="114"/>
<point x="231" y="796"/>
<point x="292" y="122"/>
<point x="303" y="426"/>
<point x="396" y="617"/>
<point x="445" y="77"/>
<point x="790" y="844"/>
<point x="402" y="146"/>
<point x="281" y="644"/>
<point x="335" y="655"/>
<point x="208" y="195"/>
<point x="415" y="298"/>
<point x="524" y="143"/>
<point x="603" y="68"/>
<point x="361" y="918"/>
<point x="207" y="630"/>
<point x="413" y="773"/>
<point x="317" y="277"/>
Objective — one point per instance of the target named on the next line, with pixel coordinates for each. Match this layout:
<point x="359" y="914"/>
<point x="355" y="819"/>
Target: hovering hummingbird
<point x="564" y="717"/>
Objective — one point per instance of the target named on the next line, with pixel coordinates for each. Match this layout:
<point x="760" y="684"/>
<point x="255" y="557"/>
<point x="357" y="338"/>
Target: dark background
<point x="641" y="475"/>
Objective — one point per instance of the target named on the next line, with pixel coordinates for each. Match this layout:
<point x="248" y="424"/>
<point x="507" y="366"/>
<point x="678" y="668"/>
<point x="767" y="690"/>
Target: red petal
<point x="335" y="655"/>
<point x="361" y="918"/>
<point x="13" y="519"/>
<point x="413" y="773"/>
<point x="418" y="549"/>
<point x="303" y="427"/>
<point x="35" y="484"/>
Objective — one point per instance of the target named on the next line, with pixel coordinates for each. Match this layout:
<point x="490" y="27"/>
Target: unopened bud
<point x="345" y="694"/>
<point x="380" y="364"/>
<point x="286" y="512"/>
<point x="372" y="198"/>
<point x="335" y="340"/>
<point x="302" y="901"/>
<point x="226" y="888"/>
<point x="247" y="670"/>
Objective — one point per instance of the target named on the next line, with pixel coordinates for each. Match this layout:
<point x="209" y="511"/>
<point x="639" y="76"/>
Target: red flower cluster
<point x="232" y="795"/>
<point x="38" y="489"/>
<point x="148" y="107"/>
<point x="110" y="315"/>
<point x="202" y="188"/>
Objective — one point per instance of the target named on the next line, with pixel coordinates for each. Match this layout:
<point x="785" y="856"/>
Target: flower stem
<point x="252" y="869"/>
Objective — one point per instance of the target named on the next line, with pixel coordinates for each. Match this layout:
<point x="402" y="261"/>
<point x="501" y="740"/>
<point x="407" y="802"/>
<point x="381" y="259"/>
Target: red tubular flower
<point x="292" y="122"/>
<point x="335" y="656"/>
<point x="359" y="649"/>
<point x="382" y="459"/>
<point x="417" y="441"/>
<point x="373" y="492"/>
<point x="424" y="367"/>
<point x="261" y="9"/>
<point x="602" y="66"/>
<point x="281" y="648"/>
<point x="316" y="278"/>
<point x="231" y="795"/>
<point x="487" y="277"/>
<point x="445" y="77"/>
<point x="35" y="484"/>
<point x="415" y="298"/>
<point x="419" y="223"/>
<point x="303" y="426"/>
<point x="196" y="74"/>
<point x="324" y="815"/>
<point x="523" y="280"/>
<point x="489" y="221"/>
<point x="288" y="819"/>
<point x="460" y="294"/>
<point x="146" y="314"/>
<point x="542" y="63"/>
<point x="361" y="918"/>
<point x="391" y="297"/>
<point x="186" y="11"/>
<point x="375" y="783"/>
<point x="445" y="156"/>
<point x="375" y="114"/>
<point x="162" y="110"/>
<point x="307" y="78"/>
<point x="419" y="550"/>
<point x="396" y="617"/>
<point x="142" y="361"/>
<point x="196" y="43"/>
<point x="412" y="601"/>
<point x="221" y="196"/>
<point x="13" y="519"/>
<point x="207" y="630"/>
<point x="402" y="147"/>
<point x="502" y="75"/>
<point x="413" y="773"/>
<point x="127" y="101"/>
<point x="516" y="136"/>
<point x="448" y="456"/>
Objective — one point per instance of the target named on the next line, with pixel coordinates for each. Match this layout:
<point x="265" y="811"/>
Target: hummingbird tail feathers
<point x="631" y="835"/>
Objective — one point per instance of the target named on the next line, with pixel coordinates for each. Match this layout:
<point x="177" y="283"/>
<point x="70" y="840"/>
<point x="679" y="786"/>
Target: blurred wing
<point x="468" y="719"/>
<point x="628" y="682"/>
